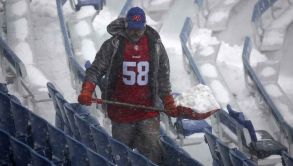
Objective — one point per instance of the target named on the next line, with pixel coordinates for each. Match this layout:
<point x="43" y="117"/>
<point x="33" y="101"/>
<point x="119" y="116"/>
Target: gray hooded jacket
<point x="109" y="59"/>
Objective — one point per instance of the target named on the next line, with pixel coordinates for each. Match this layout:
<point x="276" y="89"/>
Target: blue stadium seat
<point x="77" y="152"/>
<point x="119" y="152"/>
<point x="136" y="158"/>
<point x="97" y="4"/>
<point x="237" y="157"/>
<point x="249" y="163"/>
<point x="37" y="159"/>
<point x="101" y="140"/>
<point x="3" y="88"/>
<point x="59" y="123"/>
<point x="21" y="122"/>
<point x="57" y="139"/>
<point x="6" y="118"/>
<point x="84" y="130"/>
<point x="188" y="127"/>
<point x="224" y="152"/>
<point x="287" y="160"/>
<point x="70" y="111"/>
<point x="60" y="102"/>
<point x="96" y="159"/>
<point x="176" y="156"/>
<point x="211" y="140"/>
<point x="40" y="135"/>
<point x="21" y="152"/>
<point x="5" y="153"/>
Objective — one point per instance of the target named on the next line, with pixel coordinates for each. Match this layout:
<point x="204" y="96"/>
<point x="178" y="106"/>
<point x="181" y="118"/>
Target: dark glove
<point x="85" y="97"/>
<point x="170" y="106"/>
<point x="188" y="113"/>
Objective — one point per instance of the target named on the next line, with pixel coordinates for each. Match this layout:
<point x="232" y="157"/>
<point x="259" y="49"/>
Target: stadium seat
<point x="3" y="88"/>
<point x="101" y="140"/>
<point x="37" y="159"/>
<point x="67" y="126"/>
<point x="249" y="163"/>
<point x="70" y="111"/>
<point x="21" y="122"/>
<point x="6" y="118"/>
<point x="40" y="135"/>
<point x="84" y="130"/>
<point x="176" y="156"/>
<point x="77" y="152"/>
<point x="237" y="157"/>
<point x="188" y="127"/>
<point x="224" y="152"/>
<point x="5" y="153"/>
<point x="287" y="160"/>
<point x="119" y="152"/>
<point x="59" y="123"/>
<point x="136" y="158"/>
<point x="57" y="139"/>
<point x="97" y="4"/>
<point x="21" y="152"/>
<point x="211" y="140"/>
<point x="96" y="159"/>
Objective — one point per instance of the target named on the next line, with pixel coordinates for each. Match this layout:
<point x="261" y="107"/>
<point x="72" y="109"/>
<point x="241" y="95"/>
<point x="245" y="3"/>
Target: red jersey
<point x="132" y="84"/>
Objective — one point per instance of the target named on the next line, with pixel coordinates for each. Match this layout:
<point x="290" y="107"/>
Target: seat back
<point x="61" y="101"/>
<point x="59" y="123"/>
<point x="84" y="130"/>
<point x="96" y="159"/>
<point x="5" y="152"/>
<point x="224" y="152"/>
<point x="21" y="152"/>
<point x="136" y="158"/>
<point x="21" y="122"/>
<point x="237" y="157"/>
<point x="6" y="118"/>
<point x="77" y="152"/>
<point x="287" y="160"/>
<point x="40" y="135"/>
<point x="37" y="159"/>
<point x="97" y="4"/>
<point x="101" y="140"/>
<point x="173" y="155"/>
<point x="188" y="127"/>
<point x="211" y="140"/>
<point x="119" y="152"/>
<point x="57" y="139"/>
<point x="69" y="110"/>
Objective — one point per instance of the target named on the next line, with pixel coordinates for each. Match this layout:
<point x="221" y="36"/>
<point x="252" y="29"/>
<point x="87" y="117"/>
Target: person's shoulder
<point x="112" y="42"/>
<point x="152" y="33"/>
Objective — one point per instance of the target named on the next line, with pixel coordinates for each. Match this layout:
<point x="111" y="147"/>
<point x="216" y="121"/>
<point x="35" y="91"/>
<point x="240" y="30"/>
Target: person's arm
<point x="95" y="73"/>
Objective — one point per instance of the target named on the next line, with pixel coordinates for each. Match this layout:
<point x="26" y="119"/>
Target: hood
<point x="117" y="27"/>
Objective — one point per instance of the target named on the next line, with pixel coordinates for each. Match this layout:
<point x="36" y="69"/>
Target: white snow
<point x="273" y="90"/>
<point x="230" y="55"/>
<point x="221" y="92"/>
<point x="218" y="16"/>
<point x="36" y="77"/>
<point x="86" y="11"/>
<point x="19" y="8"/>
<point x="208" y="70"/>
<point x="21" y="29"/>
<point x="24" y="52"/>
<point x="268" y="71"/>
<point x="88" y="49"/>
<point x="159" y="2"/>
<point x="82" y="28"/>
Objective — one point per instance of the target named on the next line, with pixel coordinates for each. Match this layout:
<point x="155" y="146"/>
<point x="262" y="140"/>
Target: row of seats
<point x="30" y="138"/>
<point x="259" y="147"/>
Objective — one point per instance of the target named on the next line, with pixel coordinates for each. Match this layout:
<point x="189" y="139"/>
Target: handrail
<point x="79" y="72"/>
<point x="13" y="59"/>
<point x="184" y="35"/>
<point x="284" y="126"/>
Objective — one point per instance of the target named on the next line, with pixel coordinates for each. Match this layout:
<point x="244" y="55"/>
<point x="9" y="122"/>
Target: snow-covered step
<point x="268" y="71"/>
<point x="218" y="17"/>
<point x="83" y="35"/>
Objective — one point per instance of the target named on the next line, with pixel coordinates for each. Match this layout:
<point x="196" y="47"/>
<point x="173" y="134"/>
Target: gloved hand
<point x="85" y="97"/>
<point x="170" y="106"/>
<point x="188" y="113"/>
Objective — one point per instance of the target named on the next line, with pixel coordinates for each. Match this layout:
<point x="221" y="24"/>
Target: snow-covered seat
<point x="239" y="158"/>
<point x="287" y="160"/>
<point x="187" y="127"/>
<point x="211" y="140"/>
<point x="61" y="101"/>
<point x="135" y="158"/>
<point x="6" y="118"/>
<point x="96" y="159"/>
<point x="119" y="152"/>
<point x="97" y="4"/>
<point x="224" y="152"/>
<point x="37" y="159"/>
<point x="21" y="152"/>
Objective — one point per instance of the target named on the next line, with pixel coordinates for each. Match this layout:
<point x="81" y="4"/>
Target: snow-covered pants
<point x="142" y="135"/>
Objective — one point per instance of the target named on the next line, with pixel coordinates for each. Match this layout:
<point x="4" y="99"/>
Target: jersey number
<point x="130" y="77"/>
